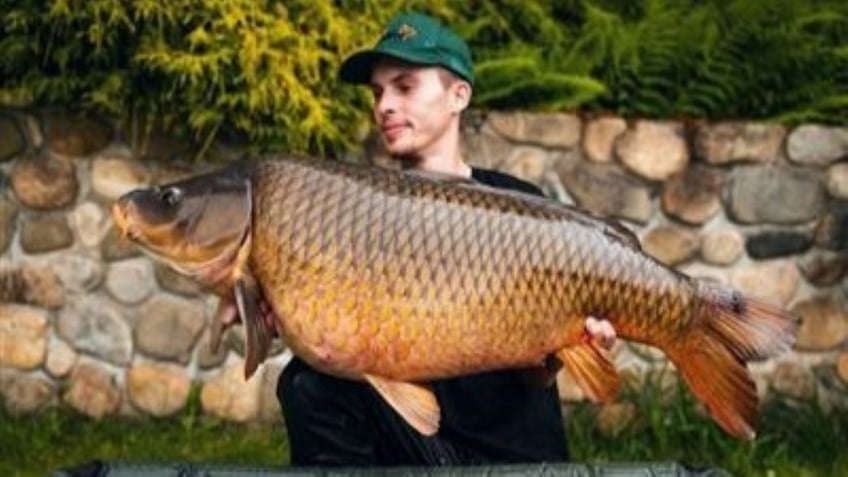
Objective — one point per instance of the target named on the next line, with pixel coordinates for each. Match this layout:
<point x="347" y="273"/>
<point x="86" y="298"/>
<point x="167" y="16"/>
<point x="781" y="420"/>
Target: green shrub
<point x="264" y="71"/>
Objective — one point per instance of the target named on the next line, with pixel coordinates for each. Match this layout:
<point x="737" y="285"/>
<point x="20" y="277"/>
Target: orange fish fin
<point x="258" y="334"/>
<point x="750" y="327"/>
<point x="712" y="358"/>
<point x="721" y="382"/>
<point x="593" y="370"/>
<point x="415" y="402"/>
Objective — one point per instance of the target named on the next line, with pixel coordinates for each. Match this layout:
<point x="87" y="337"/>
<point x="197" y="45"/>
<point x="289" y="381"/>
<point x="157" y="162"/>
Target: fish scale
<point x="458" y="234"/>
<point x="399" y="278"/>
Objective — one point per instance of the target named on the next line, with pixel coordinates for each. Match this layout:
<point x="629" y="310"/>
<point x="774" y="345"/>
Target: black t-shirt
<point x="497" y="412"/>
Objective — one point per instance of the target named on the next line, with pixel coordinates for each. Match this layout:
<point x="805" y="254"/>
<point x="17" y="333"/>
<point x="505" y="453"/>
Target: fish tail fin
<point x="729" y="331"/>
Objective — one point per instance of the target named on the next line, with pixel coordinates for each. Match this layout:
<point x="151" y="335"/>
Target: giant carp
<point x="399" y="278"/>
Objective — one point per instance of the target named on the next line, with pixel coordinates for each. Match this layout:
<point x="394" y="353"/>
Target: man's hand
<point x="601" y="332"/>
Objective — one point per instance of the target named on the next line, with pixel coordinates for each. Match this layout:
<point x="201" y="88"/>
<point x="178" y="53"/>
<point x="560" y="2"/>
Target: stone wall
<point x="88" y="322"/>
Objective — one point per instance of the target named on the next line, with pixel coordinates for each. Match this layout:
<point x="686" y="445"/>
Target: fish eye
<point x="170" y="196"/>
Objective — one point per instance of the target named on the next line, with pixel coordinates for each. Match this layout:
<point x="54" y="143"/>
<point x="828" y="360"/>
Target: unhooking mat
<point x="636" y="469"/>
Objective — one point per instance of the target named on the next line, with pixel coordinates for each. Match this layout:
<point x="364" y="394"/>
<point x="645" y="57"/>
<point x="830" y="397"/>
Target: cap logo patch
<point x="406" y="31"/>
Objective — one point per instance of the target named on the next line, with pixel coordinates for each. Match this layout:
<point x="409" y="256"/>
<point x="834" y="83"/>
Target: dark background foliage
<point x="264" y="71"/>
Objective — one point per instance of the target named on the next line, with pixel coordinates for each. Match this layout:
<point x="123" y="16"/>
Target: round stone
<point x="606" y="190"/>
<point x="93" y="325"/>
<point x="230" y="397"/>
<point x="694" y="195"/>
<point x="775" y="281"/>
<point x="777" y="243"/>
<point x="31" y="284"/>
<point x="44" y="182"/>
<point x="27" y="394"/>
<point x="527" y="163"/>
<point x="600" y="136"/>
<point x="653" y="150"/>
<point x="90" y="223"/>
<point x="157" y="389"/>
<point x="170" y="327"/>
<point x="817" y="145"/>
<point x="722" y="247"/>
<point x="837" y="180"/>
<point x="670" y="245"/>
<point x="23" y="336"/>
<point x="733" y="142"/>
<point x="112" y="177"/>
<point x="824" y="323"/>
<point x="92" y="391"/>
<point x="46" y="233"/>
<point x="545" y="129"/>
<point x="61" y="358"/>
<point x="775" y="194"/>
<point x="131" y="281"/>
<point x="78" y="273"/>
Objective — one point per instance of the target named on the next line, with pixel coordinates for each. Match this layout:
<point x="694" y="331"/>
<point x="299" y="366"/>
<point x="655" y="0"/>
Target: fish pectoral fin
<point x="593" y="370"/>
<point x="258" y="334"/>
<point x="415" y="402"/>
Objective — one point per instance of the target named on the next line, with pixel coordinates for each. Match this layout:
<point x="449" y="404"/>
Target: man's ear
<point x="461" y="95"/>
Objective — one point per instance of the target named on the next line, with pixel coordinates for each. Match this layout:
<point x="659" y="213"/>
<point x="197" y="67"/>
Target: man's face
<point x="414" y="106"/>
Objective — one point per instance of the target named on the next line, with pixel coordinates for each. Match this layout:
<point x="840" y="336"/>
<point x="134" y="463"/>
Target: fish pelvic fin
<point x="712" y="358"/>
<point x="258" y="333"/>
<point x="592" y="369"/>
<point x="415" y="402"/>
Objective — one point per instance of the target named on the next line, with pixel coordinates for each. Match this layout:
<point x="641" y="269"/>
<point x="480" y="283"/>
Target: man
<point x="421" y="77"/>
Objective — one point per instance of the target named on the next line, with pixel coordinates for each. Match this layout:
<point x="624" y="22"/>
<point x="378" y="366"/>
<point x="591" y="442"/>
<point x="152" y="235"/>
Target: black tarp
<point x="636" y="469"/>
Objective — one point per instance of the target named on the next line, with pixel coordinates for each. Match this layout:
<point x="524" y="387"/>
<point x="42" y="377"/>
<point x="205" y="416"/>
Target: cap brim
<point x="357" y="67"/>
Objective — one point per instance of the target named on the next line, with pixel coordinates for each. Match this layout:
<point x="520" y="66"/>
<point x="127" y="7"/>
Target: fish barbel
<point x="399" y="278"/>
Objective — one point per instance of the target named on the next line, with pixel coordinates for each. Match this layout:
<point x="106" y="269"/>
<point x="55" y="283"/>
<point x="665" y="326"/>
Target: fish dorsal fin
<point x="415" y="402"/>
<point x="258" y="333"/>
<point x="619" y="232"/>
<point x="592" y="369"/>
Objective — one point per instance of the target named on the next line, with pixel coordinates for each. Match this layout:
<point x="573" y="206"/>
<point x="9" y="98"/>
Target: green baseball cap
<point x="415" y="38"/>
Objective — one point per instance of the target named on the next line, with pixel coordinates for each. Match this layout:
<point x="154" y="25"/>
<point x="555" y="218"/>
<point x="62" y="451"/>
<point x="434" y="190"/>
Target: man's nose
<point x="386" y="103"/>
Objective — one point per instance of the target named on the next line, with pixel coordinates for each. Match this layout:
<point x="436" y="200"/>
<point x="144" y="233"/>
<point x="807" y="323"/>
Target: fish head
<point x="196" y="226"/>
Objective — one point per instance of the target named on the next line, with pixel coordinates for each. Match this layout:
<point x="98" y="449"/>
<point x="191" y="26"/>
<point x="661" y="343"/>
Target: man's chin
<point x="398" y="149"/>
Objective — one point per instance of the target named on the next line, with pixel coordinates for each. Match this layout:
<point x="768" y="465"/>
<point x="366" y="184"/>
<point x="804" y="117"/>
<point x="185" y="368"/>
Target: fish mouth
<point x="126" y="231"/>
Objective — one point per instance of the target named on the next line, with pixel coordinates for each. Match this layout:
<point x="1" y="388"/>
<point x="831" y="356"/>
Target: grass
<point x="60" y="437"/>
<point x="795" y="439"/>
